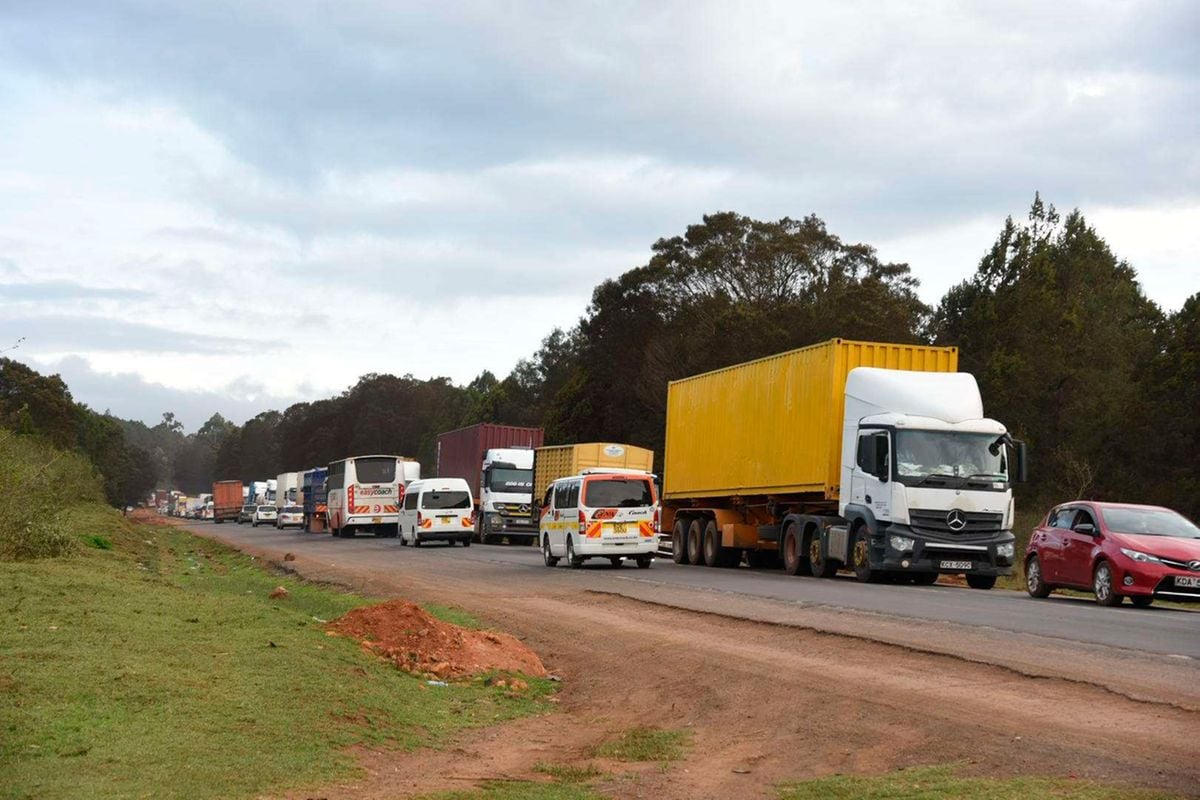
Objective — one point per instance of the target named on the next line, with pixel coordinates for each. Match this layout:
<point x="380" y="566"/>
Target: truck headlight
<point x="1140" y="557"/>
<point x="902" y="543"/>
<point x="1005" y="550"/>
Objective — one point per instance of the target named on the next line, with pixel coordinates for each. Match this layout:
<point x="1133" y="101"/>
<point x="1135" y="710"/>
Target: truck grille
<point x="939" y="521"/>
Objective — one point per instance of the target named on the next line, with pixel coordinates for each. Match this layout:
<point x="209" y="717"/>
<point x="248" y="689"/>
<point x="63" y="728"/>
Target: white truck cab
<point x="604" y="513"/>
<point x="506" y="495"/>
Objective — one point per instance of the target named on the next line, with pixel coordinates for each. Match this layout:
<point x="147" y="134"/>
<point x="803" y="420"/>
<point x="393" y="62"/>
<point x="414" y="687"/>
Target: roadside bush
<point x="40" y="486"/>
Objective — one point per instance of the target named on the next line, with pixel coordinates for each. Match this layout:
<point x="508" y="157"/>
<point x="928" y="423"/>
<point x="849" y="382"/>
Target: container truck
<point x="844" y="455"/>
<point x="364" y="493"/>
<point x="227" y="500"/>
<point x="560" y="461"/>
<point x="496" y="461"/>
<point x="286" y="487"/>
<point x="313" y="491"/>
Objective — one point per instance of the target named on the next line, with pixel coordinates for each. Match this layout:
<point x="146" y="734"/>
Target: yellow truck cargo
<point x="864" y="455"/>
<point x="552" y="463"/>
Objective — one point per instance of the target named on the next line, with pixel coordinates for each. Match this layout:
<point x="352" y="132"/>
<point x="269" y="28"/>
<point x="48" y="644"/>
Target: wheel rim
<point x="860" y="553"/>
<point x="789" y="549"/>
<point x="546" y="550"/>
<point x="814" y="551"/>
<point x="1033" y="575"/>
<point x="1103" y="587"/>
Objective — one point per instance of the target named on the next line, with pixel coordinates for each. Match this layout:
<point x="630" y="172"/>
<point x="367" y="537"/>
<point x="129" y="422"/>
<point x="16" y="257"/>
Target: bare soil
<point x="765" y="703"/>
<point x="415" y="641"/>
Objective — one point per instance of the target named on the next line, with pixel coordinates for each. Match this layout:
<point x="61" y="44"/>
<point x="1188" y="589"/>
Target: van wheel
<point x="403" y="541"/>
<point x="573" y="560"/>
<point x="614" y="560"/>
<point x="679" y="541"/>
<point x="695" y="544"/>
<point x="550" y="559"/>
<point x="466" y="542"/>
<point x="643" y="562"/>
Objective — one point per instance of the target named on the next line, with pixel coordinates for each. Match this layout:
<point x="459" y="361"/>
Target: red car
<point x="1115" y="550"/>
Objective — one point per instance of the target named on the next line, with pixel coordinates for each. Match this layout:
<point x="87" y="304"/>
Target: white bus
<point x="365" y="493"/>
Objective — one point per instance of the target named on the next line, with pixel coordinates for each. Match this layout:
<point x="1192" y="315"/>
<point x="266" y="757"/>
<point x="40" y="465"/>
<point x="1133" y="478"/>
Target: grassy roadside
<point x="150" y="662"/>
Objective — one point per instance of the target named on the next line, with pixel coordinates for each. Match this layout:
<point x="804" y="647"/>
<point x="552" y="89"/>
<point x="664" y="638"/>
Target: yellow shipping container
<point x="552" y="463"/>
<point x="774" y="426"/>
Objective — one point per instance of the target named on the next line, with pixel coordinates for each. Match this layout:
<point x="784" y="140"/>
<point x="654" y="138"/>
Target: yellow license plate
<point x="376" y="519"/>
<point x="445" y="519"/>
<point x="619" y="527"/>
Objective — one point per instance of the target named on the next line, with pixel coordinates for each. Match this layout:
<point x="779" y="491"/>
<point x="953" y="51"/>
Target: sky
<point x="228" y="207"/>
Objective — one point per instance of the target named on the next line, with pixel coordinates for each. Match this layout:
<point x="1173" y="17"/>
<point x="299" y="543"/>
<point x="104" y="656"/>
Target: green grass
<point x="521" y="790"/>
<point x="646" y="744"/>
<point x="932" y="783"/>
<point x="568" y="773"/>
<point x="455" y="616"/>
<point x="159" y="668"/>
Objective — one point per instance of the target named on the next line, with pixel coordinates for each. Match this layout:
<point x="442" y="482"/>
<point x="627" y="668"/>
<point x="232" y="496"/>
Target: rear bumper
<point x="633" y="547"/>
<point x="445" y="535"/>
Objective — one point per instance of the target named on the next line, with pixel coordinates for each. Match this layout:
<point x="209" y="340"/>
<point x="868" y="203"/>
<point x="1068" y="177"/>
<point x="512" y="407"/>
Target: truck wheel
<point x="925" y="578"/>
<point x="818" y="565"/>
<point x="695" y="543"/>
<point x="981" y="581"/>
<point x="549" y="559"/>
<point x="791" y="551"/>
<point x="717" y="554"/>
<point x="679" y="541"/>
<point x="862" y="556"/>
<point x="573" y="560"/>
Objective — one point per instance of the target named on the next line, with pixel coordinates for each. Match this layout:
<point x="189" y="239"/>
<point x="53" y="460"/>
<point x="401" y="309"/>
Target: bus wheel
<point x="679" y="541"/>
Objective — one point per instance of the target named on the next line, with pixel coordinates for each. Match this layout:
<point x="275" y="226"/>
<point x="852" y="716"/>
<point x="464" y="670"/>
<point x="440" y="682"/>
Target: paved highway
<point x="1167" y="632"/>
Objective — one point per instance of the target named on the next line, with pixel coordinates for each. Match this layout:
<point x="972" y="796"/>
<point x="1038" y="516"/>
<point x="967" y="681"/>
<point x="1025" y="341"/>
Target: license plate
<point x="376" y="519"/>
<point x="619" y="527"/>
<point x="445" y="519"/>
<point x="956" y="565"/>
<point x="1187" y="583"/>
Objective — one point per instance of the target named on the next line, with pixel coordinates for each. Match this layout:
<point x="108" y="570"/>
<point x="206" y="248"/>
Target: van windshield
<point x="445" y="500"/>
<point x="375" y="470"/>
<point x="617" y="493"/>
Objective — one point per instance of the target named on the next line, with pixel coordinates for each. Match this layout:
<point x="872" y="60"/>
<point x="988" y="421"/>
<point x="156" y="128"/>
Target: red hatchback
<point x="1115" y="551"/>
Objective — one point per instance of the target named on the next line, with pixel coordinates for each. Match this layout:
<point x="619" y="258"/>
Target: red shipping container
<point x="460" y="452"/>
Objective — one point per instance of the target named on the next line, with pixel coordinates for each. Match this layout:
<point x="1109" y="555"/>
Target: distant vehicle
<point x="271" y="491"/>
<point x="437" y="510"/>
<point x="264" y="514"/>
<point x="257" y="493"/>
<point x="600" y="514"/>
<point x="247" y="513"/>
<point x="1115" y="550"/>
<point x="287" y="489"/>
<point x="227" y="500"/>
<point x="364" y="493"/>
<point x="314" y="496"/>
<point x="290" y="516"/>
<point x="496" y="461"/>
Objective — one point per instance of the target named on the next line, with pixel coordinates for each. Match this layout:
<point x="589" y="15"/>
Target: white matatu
<point x="600" y="513"/>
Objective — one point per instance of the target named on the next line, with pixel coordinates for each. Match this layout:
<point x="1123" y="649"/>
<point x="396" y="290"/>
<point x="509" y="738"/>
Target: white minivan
<point x="437" y="510"/>
<point x="601" y="513"/>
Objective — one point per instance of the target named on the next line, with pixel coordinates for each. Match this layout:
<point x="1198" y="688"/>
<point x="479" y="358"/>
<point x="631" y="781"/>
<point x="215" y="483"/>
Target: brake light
<point x="582" y="522"/>
<point x="419" y="520"/>
<point x="655" y="523"/>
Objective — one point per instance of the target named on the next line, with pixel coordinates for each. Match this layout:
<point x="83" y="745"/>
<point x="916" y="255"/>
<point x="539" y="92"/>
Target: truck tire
<point x="925" y="578"/>
<point x="695" y="544"/>
<point x="717" y="554"/>
<point x="862" y="556"/>
<point x="792" y="547"/>
<point x="679" y="541"/>
<point x="981" y="581"/>
<point x="819" y="564"/>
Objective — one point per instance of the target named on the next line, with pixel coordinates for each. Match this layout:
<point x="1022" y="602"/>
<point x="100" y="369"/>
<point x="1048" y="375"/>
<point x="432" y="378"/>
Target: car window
<point x="573" y="495"/>
<point x="549" y="498"/>
<point x="1084" y="517"/>
<point x="1062" y="517"/>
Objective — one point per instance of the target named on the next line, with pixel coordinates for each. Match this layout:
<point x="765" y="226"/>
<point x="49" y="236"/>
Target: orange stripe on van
<point x="593" y="530"/>
<point x="646" y="530"/>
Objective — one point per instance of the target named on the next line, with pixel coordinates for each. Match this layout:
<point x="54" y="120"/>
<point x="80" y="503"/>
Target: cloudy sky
<point x="210" y="206"/>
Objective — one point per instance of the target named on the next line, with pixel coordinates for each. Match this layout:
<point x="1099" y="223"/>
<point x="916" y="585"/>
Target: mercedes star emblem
<point x="956" y="520"/>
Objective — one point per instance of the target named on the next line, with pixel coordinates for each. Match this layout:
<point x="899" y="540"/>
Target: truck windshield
<point x="503" y="479"/>
<point x="442" y="500"/>
<point x="375" y="470"/>
<point x="947" y="454"/>
<point x="617" y="493"/>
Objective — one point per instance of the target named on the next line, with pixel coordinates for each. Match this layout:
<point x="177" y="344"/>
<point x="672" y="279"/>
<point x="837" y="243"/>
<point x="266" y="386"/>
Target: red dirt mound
<point x="416" y="642"/>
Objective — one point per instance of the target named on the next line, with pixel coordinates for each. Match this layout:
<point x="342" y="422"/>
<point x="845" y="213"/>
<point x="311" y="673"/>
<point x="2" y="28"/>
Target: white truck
<point x="506" y="495"/>
<point x="287" y="489"/>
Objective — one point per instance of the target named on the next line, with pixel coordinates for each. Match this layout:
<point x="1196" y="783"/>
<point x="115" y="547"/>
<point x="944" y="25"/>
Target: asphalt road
<point x="1166" y="632"/>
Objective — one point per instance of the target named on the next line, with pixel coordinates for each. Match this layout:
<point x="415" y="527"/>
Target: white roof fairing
<point x="947" y="396"/>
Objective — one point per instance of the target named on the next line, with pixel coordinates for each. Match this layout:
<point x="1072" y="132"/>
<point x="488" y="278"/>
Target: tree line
<point x="1100" y="382"/>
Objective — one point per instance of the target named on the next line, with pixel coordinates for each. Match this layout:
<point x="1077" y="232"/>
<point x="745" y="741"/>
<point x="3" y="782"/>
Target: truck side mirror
<point x="1022" y="473"/>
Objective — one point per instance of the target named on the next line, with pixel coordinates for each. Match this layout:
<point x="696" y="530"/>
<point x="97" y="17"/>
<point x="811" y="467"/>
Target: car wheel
<point x="1102" y="585"/>
<point x="981" y="581"/>
<point x="573" y="560"/>
<point x="548" y="558"/>
<point x="1035" y="582"/>
<point x="862" y="556"/>
<point x="1141" y="600"/>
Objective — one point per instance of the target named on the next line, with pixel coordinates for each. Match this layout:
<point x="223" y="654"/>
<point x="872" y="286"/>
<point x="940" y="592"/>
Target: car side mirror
<point x="1086" y="528"/>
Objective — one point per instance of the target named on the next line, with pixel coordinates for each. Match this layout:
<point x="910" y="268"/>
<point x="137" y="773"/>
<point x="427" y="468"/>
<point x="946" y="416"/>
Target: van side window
<point x="410" y="500"/>
<point x="549" y="496"/>
<point x="573" y="495"/>
<point x="560" y="495"/>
